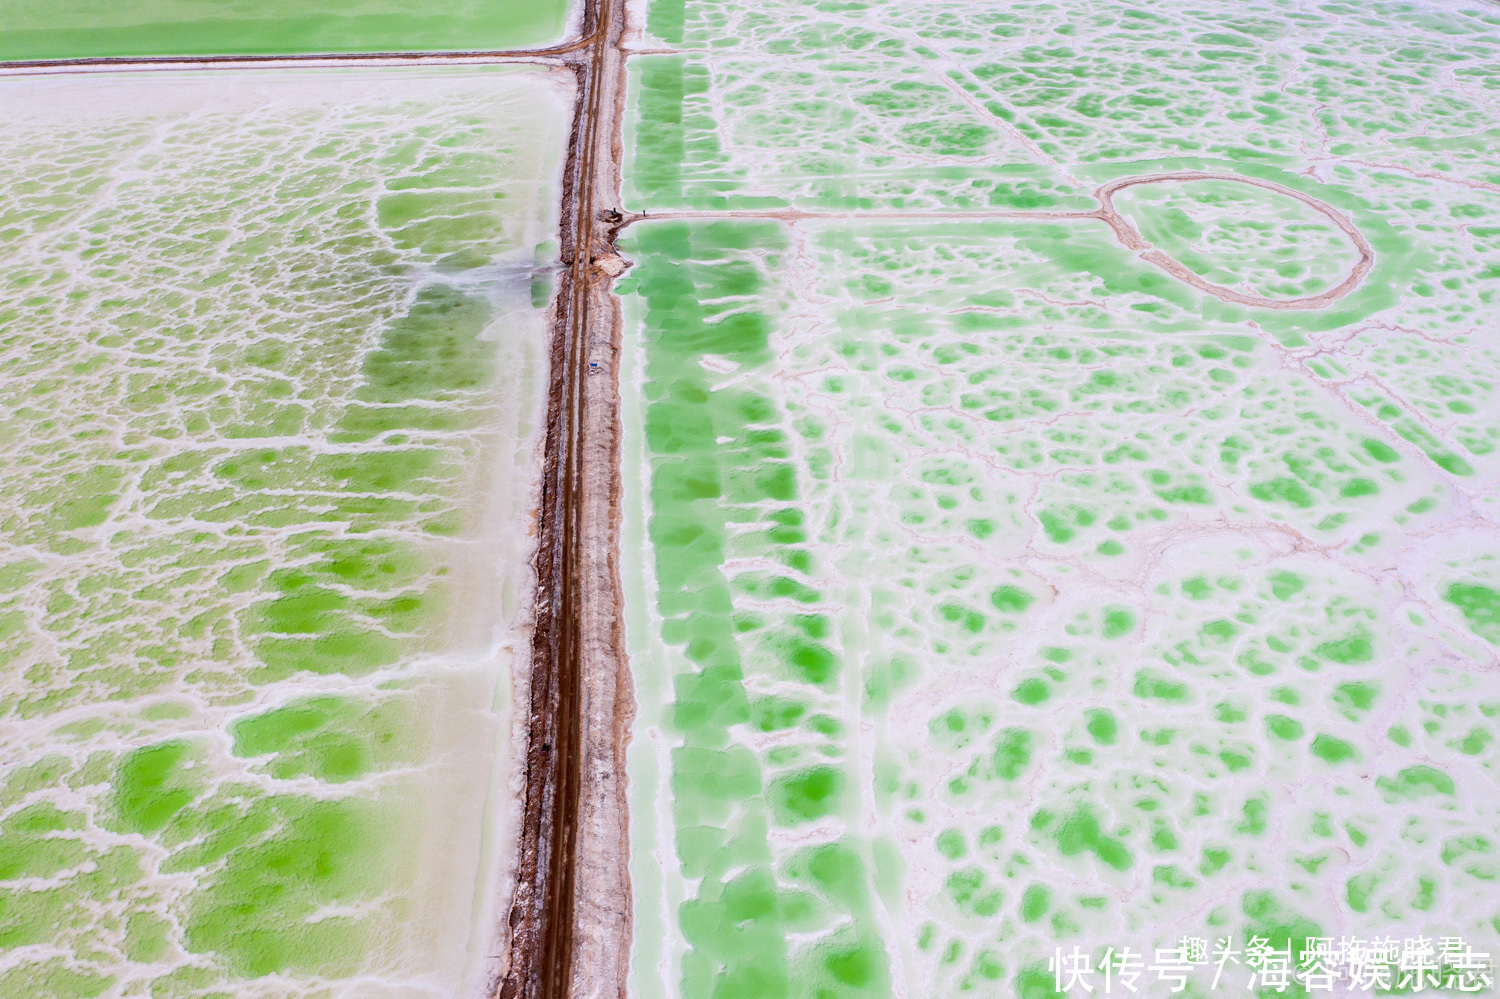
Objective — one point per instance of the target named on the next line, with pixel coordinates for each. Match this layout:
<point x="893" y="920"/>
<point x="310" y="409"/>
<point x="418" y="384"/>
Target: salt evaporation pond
<point x="996" y="591"/>
<point x="274" y="370"/>
<point x="72" y="29"/>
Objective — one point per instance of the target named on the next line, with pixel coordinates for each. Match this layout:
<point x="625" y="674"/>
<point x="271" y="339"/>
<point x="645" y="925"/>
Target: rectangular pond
<point x="275" y="362"/>
<point x="1060" y="481"/>
<point x="72" y="29"/>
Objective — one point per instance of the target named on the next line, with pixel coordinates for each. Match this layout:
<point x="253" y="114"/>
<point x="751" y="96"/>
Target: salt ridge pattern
<point x="1003" y="591"/>
<point x="274" y="356"/>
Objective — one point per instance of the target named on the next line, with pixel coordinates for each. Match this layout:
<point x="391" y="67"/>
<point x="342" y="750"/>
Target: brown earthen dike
<point x="569" y="923"/>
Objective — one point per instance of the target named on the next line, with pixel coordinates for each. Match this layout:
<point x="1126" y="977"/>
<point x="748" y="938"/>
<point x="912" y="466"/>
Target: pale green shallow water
<point x="999" y="592"/>
<point x="274" y="361"/>
<point x="71" y="29"/>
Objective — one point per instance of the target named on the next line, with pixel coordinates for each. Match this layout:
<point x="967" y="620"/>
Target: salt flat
<point x="1007" y="587"/>
<point x="274" y="360"/>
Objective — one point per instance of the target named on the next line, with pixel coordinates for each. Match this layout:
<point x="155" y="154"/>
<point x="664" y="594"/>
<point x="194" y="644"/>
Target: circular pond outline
<point x="1131" y="237"/>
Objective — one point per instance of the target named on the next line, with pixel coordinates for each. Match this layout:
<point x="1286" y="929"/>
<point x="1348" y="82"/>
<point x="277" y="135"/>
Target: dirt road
<point x="570" y="920"/>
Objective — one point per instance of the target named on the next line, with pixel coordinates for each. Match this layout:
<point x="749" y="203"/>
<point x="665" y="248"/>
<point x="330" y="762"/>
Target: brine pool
<point x="275" y="367"/>
<point x="995" y="594"/>
<point x="72" y="29"/>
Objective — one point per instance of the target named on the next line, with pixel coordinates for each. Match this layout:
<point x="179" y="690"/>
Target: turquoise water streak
<point x="996" y="591"/>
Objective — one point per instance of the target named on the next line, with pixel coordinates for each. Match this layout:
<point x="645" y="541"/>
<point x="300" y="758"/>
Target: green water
<point x="270" y="416"/>
<point x="1062" y="603"/>
<point x="82" y="28"/>
<point x="718" y="500"/>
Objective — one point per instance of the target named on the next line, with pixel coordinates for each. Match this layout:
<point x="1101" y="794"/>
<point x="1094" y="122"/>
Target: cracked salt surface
<point x="1008" y="592"/>
<point x="274" y="376"/>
